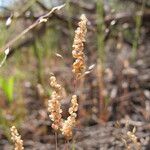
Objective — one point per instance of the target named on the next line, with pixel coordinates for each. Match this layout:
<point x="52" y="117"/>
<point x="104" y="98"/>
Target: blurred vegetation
<point x="33" y="58"/>
<point x="7" y="86"/>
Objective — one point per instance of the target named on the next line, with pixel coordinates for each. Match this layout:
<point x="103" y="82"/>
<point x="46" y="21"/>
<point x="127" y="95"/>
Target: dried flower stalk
<point x="78" y="47"/>
<point x="54" y="106"/>
<point x="16" y="138"/>
<point x="53" y="83"/>
<point x="68" y="124"/>
<point x="134" y="139"/>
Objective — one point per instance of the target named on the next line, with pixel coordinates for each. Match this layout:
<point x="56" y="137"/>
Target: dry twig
<point x="40" y="20"/>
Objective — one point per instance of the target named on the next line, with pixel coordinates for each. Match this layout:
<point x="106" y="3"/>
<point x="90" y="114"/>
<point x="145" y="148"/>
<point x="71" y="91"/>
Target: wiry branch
<point x="40" y="20"/>
<point x="119" y="18"/>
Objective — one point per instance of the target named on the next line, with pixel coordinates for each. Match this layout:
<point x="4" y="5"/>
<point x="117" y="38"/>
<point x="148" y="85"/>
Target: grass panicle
<point x="78" y="47"/>
<point x="16" y="138"/>
<point x="71" y="120"/>
<point x="54" y="105"/>
<point x="54" y="108"/>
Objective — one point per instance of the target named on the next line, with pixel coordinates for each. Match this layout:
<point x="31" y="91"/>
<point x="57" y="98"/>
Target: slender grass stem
<point x="101" y="30"/>
<point x="68" y="144"/>
<point x="56" y="141"/>
<point x="3" y="60"/>
<point x="138" y="22"/>
<point x="73" y="144"/>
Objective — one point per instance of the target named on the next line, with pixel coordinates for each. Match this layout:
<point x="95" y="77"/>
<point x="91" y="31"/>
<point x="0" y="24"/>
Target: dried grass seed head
<point x="74" y="105"/>
<point x="54" y="105"/>
<point x="67" y="127"/>
<point x="78" y="47"/>
<point x="16" y="138"/>
<point x="54" y="108"/>
<point x="53" y="83"/>
<point x="68" y="124"/>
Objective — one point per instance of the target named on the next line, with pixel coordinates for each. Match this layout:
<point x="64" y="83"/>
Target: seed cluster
<point x="78" y="47"/>
<point x="71" y="120"/>
<point x="54" y="108"/>
<point x="54" y="104"/>
<point x="16" y="138"/>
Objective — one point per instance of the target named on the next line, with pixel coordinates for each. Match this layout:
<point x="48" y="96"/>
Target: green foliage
<point x="7" y="86"/>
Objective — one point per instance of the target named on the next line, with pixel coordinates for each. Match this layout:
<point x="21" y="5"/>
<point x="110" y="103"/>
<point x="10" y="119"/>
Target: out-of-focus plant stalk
<point x="138" y="22"/>
<point x="101" y="57"/>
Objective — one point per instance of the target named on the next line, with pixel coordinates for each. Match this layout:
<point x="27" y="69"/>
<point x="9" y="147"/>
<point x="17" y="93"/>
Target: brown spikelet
<point x="16" y="138"/>
<point x="54" y="106"/>
<point x="78" y="47"/>
<point x="68" y="124"/>
<point x="53" y="83"/>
